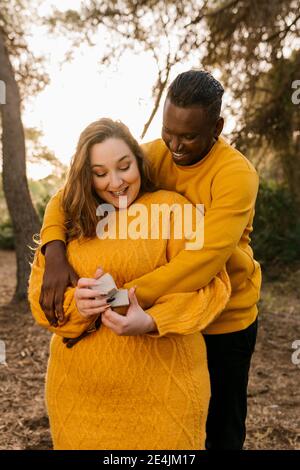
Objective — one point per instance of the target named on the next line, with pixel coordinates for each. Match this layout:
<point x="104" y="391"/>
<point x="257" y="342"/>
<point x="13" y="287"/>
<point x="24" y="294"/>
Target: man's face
<point x="188" y="133"/>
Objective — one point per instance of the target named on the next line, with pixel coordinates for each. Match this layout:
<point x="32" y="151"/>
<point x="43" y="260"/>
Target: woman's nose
<point x="115" y="181"/>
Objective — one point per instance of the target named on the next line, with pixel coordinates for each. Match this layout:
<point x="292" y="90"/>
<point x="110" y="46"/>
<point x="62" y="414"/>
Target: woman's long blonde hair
<point x="79" y="198"/>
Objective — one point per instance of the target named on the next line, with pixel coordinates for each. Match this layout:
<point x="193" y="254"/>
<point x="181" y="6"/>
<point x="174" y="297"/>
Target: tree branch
<point x="283" y="31"/>
<point x="161" y="85"/>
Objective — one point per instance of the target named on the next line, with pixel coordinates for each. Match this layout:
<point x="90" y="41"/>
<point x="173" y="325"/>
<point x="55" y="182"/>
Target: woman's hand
<point x="135" y="322"/>
<point x="90" y="303"/>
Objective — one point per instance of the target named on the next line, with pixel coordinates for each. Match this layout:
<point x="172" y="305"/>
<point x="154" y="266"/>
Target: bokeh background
<point x="66" y="63"/>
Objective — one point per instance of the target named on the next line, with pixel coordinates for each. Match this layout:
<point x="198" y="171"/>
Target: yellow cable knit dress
<point x="130" y="392"/>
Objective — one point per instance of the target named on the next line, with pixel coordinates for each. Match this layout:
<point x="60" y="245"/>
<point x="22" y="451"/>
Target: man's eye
<point x="189" y="137"/>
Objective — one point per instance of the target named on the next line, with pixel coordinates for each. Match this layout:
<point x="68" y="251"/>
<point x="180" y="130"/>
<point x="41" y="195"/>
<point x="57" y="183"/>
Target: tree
<point x="254" y="43"/>
<point x="250" y="41"/>
<point x="22" y="74"/>
<point x="164" y="28"/>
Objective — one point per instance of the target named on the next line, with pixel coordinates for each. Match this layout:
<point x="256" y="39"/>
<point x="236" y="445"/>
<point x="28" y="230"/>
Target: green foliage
<point x="254" y="45"/>
<point x="276" y="236"/>
<point x="41" y="206"/>
<point x="16" y="20"/>
<point x="7" y="241"/>
<point x="40" y="191"/>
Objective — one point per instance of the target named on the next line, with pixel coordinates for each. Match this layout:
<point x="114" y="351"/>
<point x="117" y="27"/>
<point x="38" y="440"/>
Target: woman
<point x="141" y="380"/>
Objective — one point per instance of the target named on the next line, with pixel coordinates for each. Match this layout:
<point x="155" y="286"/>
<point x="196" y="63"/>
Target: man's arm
<point x="53" y="227"/>
<point x="75" y="324"/>
<point x="58" y="274"/>
<point x="233" y="200"/>
<point x="189" y="312"/>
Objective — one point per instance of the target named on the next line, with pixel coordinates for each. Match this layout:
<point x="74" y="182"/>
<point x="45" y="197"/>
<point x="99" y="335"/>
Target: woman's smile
<point x="120" y="192"/>
<point x="115" y="171"/>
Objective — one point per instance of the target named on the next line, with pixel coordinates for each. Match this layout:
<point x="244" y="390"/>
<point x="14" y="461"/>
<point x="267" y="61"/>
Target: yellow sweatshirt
<point x="227" y="184"/>
<point x="131" y="392"/>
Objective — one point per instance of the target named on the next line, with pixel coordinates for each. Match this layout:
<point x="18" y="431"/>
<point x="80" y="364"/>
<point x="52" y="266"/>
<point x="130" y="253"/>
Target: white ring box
<point x="106" y="285"/>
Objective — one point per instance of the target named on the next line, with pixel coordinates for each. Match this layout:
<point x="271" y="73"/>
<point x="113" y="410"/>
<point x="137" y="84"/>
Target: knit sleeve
<point x="189" y="312"/>
<point x="233" y="203"/>
<point x="74" y="324"/>
<point x="54" y="221"/>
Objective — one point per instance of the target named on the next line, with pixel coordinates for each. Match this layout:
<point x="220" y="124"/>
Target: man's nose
<point x="175" y="144"/>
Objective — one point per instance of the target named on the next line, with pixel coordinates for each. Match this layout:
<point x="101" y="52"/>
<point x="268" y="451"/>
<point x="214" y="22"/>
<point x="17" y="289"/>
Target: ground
<point x="274" y="392"/>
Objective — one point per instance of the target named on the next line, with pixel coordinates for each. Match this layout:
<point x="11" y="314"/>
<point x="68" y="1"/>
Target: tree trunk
<point x="23" y="215"/>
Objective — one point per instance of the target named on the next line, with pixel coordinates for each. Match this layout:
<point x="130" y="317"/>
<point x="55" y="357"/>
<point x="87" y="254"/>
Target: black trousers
<point x="229" y="356"/>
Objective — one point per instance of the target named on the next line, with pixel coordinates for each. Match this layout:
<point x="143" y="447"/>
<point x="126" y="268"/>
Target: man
<point x="195" y="161"/>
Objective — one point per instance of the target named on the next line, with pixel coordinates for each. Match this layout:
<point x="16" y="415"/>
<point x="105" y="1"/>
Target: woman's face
<point x="115" y="171"/>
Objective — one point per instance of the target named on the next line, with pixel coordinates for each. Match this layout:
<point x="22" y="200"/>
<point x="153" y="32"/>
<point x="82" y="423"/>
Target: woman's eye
<point x="125" y="168"/>
<point x="100" y="176"/>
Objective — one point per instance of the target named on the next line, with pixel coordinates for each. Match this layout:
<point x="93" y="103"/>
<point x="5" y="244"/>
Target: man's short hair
<point x="197" y="88"/>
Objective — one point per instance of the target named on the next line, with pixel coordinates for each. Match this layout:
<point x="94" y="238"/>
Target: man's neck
<point x="214" y="141"/>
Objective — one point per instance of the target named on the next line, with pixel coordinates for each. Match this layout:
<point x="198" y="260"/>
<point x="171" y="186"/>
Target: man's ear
<point x="219" y="127"/>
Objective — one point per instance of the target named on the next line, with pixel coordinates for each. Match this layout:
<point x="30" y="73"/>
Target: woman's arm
<point x="182" y="313"/>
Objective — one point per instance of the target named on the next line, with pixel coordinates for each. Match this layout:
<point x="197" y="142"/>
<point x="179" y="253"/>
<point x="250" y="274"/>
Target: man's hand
<point x="58" y="275"/>
<point x="135" y="322"/>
